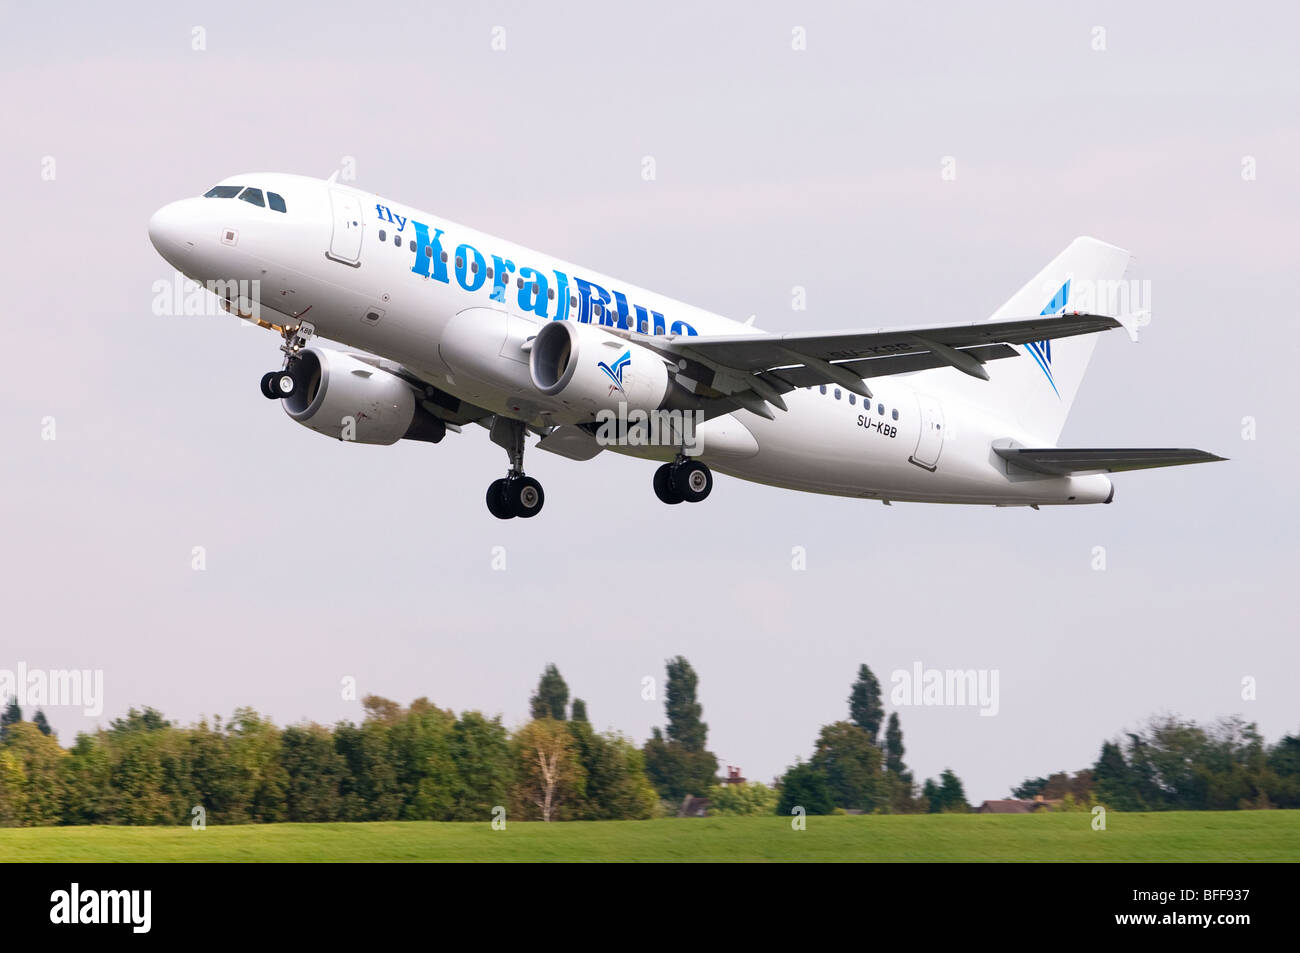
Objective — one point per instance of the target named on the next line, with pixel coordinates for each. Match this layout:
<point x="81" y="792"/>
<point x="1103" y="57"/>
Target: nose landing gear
<point x="278" y="385"/>
<point x="683" y="481"/>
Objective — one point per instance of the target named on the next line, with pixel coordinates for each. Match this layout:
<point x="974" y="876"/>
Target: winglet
<point x="1134" y="320"/>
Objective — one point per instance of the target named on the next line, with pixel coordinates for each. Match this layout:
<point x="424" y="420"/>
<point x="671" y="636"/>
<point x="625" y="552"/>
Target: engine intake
<point x="342" y="397"/>
<point x="587" y="370"/>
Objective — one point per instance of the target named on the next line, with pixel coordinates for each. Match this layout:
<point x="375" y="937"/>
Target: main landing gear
<point x="683" y="481"/>
<point x="284" y="383"/>
<point x="515" y="494"/>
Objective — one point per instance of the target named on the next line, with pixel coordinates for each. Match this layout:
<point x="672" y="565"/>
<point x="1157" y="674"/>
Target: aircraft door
<point x="345" y="243"/>
<point x="930" y="443"/>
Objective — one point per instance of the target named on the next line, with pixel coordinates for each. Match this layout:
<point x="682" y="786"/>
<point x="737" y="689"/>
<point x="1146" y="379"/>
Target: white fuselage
<point x="372" y="286"/>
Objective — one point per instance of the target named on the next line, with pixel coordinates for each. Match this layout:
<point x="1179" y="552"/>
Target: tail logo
<point x="615" y="373"/>
<point x="1041" y="351"/>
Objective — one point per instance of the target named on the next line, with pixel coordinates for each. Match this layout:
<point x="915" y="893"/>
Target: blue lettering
<point x="528" y="301"/>
<point x="585" y="289"/>
<point x="423" y="261"/>
<point x="562" y="296"/>
<point x="502" y="274"/>
<point x="471" y="279"/>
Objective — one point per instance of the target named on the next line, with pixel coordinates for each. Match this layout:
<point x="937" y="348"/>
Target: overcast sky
<point x="775" y="168"/>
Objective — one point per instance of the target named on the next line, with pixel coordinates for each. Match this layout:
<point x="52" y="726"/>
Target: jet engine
<point x="588" y="370"/>
<point x="342" y="397"/>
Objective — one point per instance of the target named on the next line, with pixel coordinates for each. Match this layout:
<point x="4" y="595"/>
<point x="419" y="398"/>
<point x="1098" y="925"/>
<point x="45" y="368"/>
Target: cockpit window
<point x="276" y="203"/>
<point x="253" y="197"/>
<point x="222" y="192"/>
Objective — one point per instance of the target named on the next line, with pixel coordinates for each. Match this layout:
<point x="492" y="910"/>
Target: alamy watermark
<point x="54" y="688"/>
<point x="650" y="428"/>
<point x="184" y="297"/>
<point x="949" y="687"/>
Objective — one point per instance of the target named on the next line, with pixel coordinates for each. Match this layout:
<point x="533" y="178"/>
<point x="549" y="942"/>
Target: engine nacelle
<point x="588" y="370"/>
<point x="347" y="399"/>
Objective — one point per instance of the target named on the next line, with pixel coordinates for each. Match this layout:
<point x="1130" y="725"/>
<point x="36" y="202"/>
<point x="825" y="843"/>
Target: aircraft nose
<point x="165" y="228"/>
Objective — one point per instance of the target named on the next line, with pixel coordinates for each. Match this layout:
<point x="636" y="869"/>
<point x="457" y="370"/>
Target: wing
<point x="753" y="370"/>
<point x="1057" y="462"/>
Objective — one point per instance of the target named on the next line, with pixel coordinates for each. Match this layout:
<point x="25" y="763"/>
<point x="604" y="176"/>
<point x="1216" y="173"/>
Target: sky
<point x="793" y="146"/>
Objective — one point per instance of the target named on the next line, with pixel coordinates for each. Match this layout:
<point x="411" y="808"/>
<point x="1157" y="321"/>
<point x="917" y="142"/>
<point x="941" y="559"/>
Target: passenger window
<point x="573" y="301"/>
<point x="397" y="240"/>
<point x="276" y="203"/>
<point x="853" y="400"/>
<point x="895" y="413"/>
<point x="550" y="293"/>
<point x="519" y="283"/>
<point x="837" y="393"/>
<point x="880" y="409"/>
<point x="444" y="258"/>
<point x="383" y="235"/>
<point x="473" y="268"/>
<point x="222" y="192"/>
<point x="412" y="246"/>
<point x="428" y="251"/>
<point x="823" y="388"/>
<point x="253" y="197"/>
<point x="460" y="263"/>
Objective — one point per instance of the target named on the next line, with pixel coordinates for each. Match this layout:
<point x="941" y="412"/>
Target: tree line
<point x="422" y="762"/>
<point x="1173" y="764"/>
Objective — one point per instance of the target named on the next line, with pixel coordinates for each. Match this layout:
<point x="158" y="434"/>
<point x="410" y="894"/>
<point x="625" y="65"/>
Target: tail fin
<point x="1037" y="389"/>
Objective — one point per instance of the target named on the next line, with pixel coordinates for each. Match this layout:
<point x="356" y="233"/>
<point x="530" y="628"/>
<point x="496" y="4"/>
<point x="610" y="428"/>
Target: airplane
<point x="442" y="326"/>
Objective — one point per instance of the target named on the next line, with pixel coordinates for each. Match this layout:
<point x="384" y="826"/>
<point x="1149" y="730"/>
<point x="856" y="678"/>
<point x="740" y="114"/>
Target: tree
<point x="894" y="749"/>
<point x="902" y="789"/>
<point x="684" y="711"/>
<point x="10" y="716"/>
<point x="13" y="786"/>
<point x="41" y="759"/>
<point x="616" y="784"/>
<point x="484" y="767"/>
<point x="1029" y="788"/>
<point x="865" y="709"/>
<point x="803" y="786"/>
<point x="676" y="772"/>
<point x="850" y="763"/>
<point x="680" y="765"/>
<point x="579" y="711"/>
<point x="948" y="796"/>
<point x="752" y="798"/>
<point x="547" y="772"/>
<point x="40" y="721"/>
<point x="315" y="772"/>
<point x="551" y="697"/>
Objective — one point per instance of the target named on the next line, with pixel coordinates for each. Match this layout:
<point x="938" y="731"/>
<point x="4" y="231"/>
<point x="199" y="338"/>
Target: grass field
<point x="1179" y="836"/>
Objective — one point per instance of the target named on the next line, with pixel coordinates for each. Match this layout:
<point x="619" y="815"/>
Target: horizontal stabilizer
<point x="1057" y="462"/>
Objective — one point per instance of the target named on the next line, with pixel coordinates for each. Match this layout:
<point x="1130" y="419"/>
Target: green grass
<point x="1178" y="836"/>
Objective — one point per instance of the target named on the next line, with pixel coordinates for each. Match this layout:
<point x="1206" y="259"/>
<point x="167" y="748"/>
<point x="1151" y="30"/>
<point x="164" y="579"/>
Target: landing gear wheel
<point x="496" y="500"/>
<point x="525" y="497"/>
<point x="284" y="384"/>
<point x="692" y="481"/>
<point x="664" y="485"/>
<point x="268" y="386"/>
